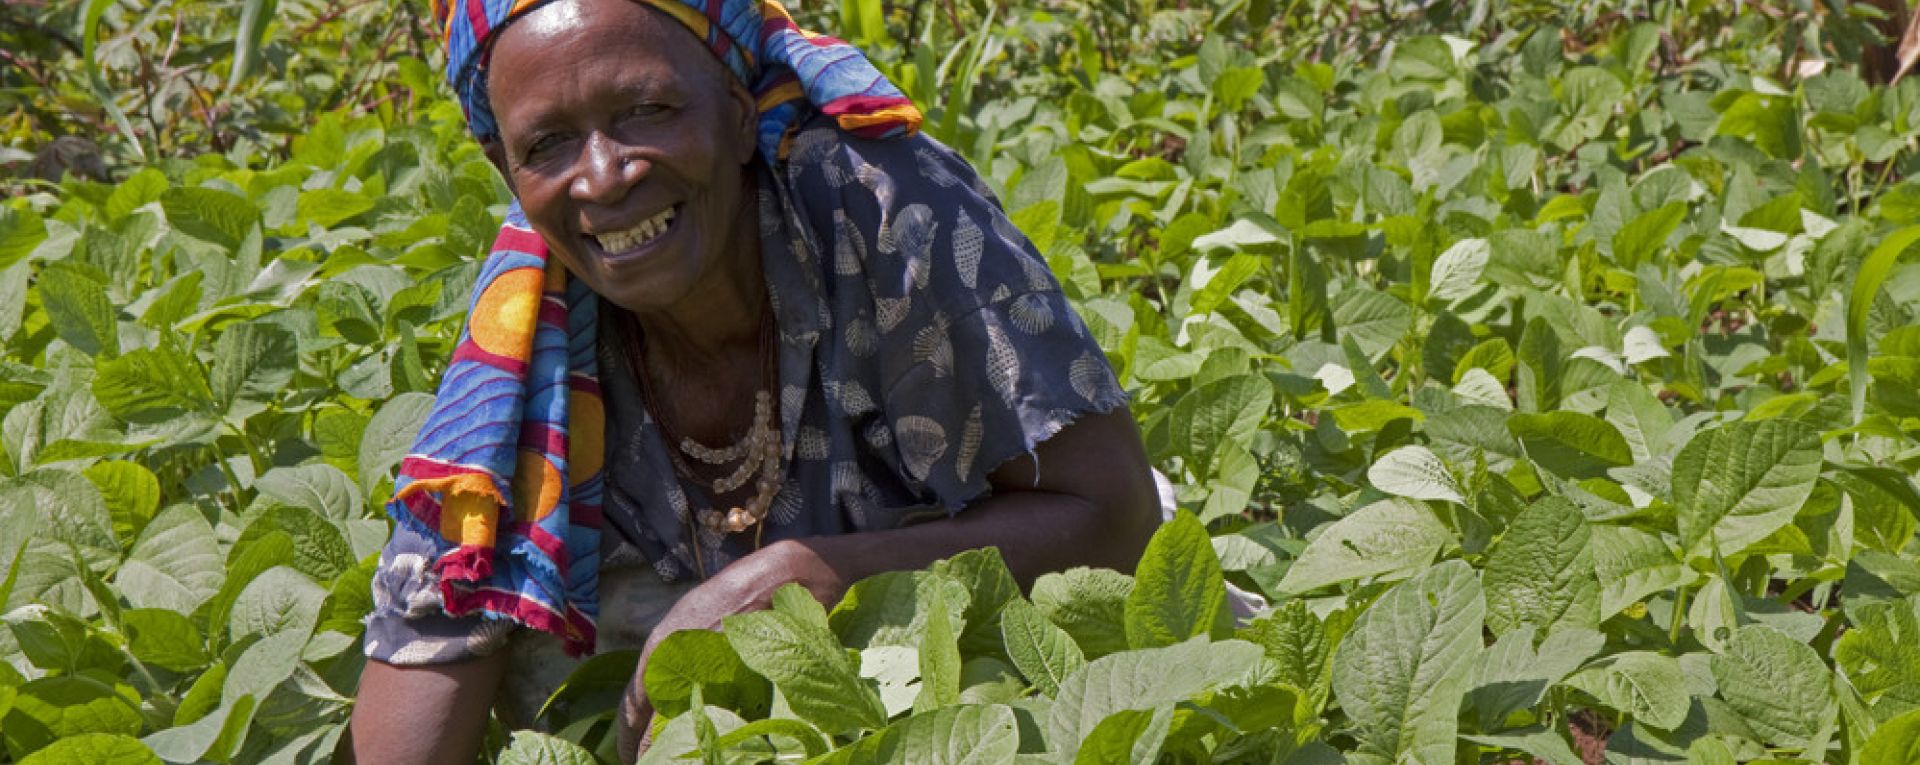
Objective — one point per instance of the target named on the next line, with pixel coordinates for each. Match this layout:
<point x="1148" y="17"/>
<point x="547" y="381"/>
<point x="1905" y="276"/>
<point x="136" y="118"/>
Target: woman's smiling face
<point x="626" y="142"/>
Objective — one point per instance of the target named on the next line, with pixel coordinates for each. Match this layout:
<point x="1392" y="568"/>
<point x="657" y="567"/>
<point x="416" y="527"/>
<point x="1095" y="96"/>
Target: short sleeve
<point x="943" y="303"/>
<point x="408" y="625"/>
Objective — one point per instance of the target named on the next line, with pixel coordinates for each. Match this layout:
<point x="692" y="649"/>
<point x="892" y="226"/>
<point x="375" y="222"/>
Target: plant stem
<point x="1679" y="617"/>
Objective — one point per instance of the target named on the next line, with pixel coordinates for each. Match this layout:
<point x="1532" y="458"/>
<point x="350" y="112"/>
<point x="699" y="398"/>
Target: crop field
<point x="1551" y="370"/>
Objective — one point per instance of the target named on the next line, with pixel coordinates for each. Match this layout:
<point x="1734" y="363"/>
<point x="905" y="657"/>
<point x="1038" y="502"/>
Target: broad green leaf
<point x="54" y="708"/>
<point x="1177" y="592"/>
<point x="939" y="657"/>
<point x="1771" y="122"/>
<point x="1089" y="603"/>
<point x="328" y="207"/>
<point x="389" y="435"/>
<point x="1401" y="672"/>
<point x="135" y="192"/>
<point x="151" y="385"/>
<point x="264" y="664"/>
<point x="1143" y="679"/>
<point x="320" y="488"/>
<point x="320" y="551"/>
<point x="1867" y="282"/>
<point x="243" y="564"/>
<point x="1471" y="433"/>
<point x="21" y="230"/>
<point x="1648" y="686"/>
<point x="1220" y="285"/>
<point x="1777" y="684"/>
<point x="959" y="735"/>
<point x="1631" y="565"/>
<point x="279" y="600"/>
<point x="1513" y="676"/>
<point x="1300" y="647"/>
<point x="1494" y="356"/>
<point x="1640" y="239"/>
<point x="1543" y="744"/>
<point x="65" y="508"/>
<point x="1220" y="411"/>
<point x="893" y="608"/>
<point x="1456" y="273"/>
<point x="175" y="565"/>
<point x="209" y="738"/>
<point x="251" y="362"/>
<point x="1541" y="369"/>
<point x="536" y="748"/>
<point x="94" y="749"/>
<point x="809" y="739"/>
<point x="131" y="492"/>
<point x="80" y="311"/>
<point x="991" y="586"/>
<point x="1640" y="418"/>
<point x="1241" y="234"/>
<point x="1570" y="444"/>
<point x="212" y="215"/>
<point x="203" y="696"/>
<point x="1414" y="472"/>
<point x="1390" y="539"/>
<point x="1540" y="572"/>
<point x="58" y="641"/>
<point x="1374" y="321"/>
<point x="804" y="660"/>
<point x="163" y="638"/>
<point x="1130" y="737"/>
<point x="1881" y="653"/>
<point x="1044" y="653"/>
<point x="1896" y="742"/>
<point x="694" y="657"/>
<point x="1737" y="484"/>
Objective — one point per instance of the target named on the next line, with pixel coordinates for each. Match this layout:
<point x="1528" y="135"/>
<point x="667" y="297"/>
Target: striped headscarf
<point x="780" y="63"/>
<point x="506" y="475"/>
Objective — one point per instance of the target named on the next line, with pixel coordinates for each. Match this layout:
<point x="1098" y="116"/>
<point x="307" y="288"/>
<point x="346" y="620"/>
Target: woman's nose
<point x="608" y="171"/>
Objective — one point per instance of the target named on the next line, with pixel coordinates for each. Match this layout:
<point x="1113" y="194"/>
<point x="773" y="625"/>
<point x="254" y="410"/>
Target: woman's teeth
<point x="623" y="241"/>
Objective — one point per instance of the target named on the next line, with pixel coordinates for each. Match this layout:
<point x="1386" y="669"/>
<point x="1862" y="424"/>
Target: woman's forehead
<point x="554" y="18"/>
<point x="572" y="36"/>
<point x="563" y="20"/>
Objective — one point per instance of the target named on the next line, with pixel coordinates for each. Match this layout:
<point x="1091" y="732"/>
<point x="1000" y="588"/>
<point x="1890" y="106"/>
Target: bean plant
<point x="1535" y="383"/>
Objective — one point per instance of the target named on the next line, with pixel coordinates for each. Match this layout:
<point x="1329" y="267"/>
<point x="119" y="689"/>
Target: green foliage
<point x="1550" y="370"/>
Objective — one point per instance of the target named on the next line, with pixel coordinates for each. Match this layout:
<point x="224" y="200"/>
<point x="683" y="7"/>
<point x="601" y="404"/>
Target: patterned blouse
<point x="923" y="342"/>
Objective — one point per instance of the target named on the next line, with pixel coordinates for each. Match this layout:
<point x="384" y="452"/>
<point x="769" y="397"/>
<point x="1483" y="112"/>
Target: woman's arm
<point x="426" y="715"/>
<point x="1085" y="498"/>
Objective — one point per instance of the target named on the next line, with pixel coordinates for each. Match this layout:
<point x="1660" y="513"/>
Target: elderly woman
<point x="743" y="327"/>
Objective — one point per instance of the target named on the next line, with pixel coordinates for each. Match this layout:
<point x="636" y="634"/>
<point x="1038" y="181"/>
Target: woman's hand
<point x="747" y="585"/>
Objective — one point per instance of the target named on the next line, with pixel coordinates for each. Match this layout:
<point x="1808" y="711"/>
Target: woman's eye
<point x="541" y="145"/>
<point x="538" y="147"/>
<point x="646" y="110"/>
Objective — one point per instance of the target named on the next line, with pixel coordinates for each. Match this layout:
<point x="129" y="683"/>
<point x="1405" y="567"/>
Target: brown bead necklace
<point x="756" y="455"/>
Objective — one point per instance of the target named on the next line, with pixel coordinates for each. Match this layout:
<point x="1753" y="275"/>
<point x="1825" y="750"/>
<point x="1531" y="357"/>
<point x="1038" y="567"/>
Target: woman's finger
<point x="634" y="721"/>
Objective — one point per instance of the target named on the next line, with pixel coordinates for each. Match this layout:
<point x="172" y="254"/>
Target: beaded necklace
<point x="757" y="453"/>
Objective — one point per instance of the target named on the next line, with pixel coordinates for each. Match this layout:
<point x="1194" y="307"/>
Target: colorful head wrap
<point x="780" y="63"/>
<point x="506" y="474"/>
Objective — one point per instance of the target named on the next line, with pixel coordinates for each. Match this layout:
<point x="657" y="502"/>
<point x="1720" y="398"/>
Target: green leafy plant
<point x="1550" y="373"/>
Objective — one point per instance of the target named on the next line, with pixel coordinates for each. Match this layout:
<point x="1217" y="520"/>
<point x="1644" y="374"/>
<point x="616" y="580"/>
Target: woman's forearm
<point x="1084" y="498"/>
<point x="428" y="715"/>
<point x="1036" y="532"/>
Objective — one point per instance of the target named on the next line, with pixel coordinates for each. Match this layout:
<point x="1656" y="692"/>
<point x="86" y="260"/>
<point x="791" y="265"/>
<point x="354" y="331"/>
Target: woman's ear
<point x="748" y="132"/>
